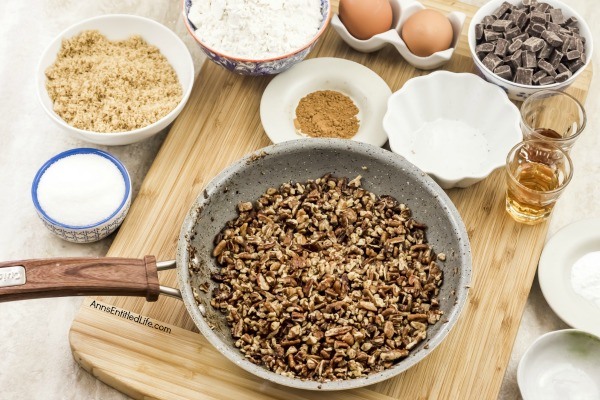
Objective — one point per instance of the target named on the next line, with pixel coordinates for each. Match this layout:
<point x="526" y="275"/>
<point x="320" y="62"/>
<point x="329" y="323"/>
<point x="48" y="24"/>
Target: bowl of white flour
<point x="256" y="37"/>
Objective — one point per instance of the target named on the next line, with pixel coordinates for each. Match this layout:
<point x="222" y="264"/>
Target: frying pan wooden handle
<point x="58" y="277"/>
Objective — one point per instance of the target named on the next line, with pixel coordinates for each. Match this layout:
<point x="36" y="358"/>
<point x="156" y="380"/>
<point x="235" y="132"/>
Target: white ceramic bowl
<point x="455" y="127"/>
<point x="265" y="66"/>
<point x="561" y="365"/>
<point x="401" y="11"/>
<point x="562" y="277"/>
<point x="88" y="233"/>
<point x="517" y="91"/>
<point x="120" y="27"/>
<point x="367" y="89"/>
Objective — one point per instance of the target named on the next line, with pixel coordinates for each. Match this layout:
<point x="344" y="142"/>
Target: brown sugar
<point x="99" y="85"/>
<point x="327" y="113"/>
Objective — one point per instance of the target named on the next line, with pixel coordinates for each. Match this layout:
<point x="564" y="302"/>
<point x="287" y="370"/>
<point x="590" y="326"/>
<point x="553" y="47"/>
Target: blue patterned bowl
<point x="89" y="233"/>
<point x="267" y="66"/>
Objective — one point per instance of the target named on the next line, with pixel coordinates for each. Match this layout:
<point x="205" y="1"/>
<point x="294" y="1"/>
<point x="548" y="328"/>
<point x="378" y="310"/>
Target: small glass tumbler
<point x="537" y="173"/>
<point x="553" y="116"/>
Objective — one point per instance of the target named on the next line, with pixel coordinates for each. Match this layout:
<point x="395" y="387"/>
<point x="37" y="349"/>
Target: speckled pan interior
<point x="383" y="172"/>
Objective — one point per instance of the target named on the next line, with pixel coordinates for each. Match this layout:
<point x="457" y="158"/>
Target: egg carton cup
<point x="401" y="11"/>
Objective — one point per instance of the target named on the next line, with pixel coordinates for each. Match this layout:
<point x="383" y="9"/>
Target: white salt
<point x="451" y="146"/>
<point x="585" y="277"/>
<point x="81" y="189"/>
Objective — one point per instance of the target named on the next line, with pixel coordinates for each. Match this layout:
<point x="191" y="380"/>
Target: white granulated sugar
<point x="256" y="29"/>
<point x="81" y="189"/>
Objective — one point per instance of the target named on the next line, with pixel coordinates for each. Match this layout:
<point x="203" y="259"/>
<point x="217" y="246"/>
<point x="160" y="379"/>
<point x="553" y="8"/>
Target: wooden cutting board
<point x="113" y="337"/>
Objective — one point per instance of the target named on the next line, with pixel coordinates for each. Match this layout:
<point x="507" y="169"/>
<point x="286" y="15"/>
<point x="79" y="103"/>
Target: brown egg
<point x="366" y="18"/>
<point x="426" y="32"/>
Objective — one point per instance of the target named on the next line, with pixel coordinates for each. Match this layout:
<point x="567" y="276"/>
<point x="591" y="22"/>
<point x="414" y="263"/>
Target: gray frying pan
<point x="383" y="173"/>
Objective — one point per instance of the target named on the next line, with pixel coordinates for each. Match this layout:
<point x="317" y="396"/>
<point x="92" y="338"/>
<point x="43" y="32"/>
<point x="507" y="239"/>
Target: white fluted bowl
<point x="457" y="128"/>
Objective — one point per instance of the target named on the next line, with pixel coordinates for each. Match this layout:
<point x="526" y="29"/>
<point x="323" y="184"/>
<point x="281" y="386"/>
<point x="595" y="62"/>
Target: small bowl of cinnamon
<point x="326" y="98"/>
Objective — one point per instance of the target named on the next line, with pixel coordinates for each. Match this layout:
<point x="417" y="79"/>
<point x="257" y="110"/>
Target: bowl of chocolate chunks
<point x="527" y="45"/>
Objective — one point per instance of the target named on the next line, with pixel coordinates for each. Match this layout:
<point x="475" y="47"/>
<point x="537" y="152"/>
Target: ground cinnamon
<point x="327" y="113"/>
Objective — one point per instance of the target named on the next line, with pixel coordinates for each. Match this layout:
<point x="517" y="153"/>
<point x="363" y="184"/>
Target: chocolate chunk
<point x="524" y="76"/>
<point x="533" y="44"/>
<point x="538" y="75"/>
<point x="563" y="76"/>
<point x="529" y="60"/>
<point x="546" y="51"/>
<point x="542" y="7"/>
<point x="538" y="17"/>
<point x="557" y="16"/>
<point x="571" y="21"/>
<point x="573" y="29"/>
<point x="501" y="47"/>
<point x="491" y="61"/>
<point x="547" y="80"/>
<point x="500" y="11"/>
<point x="545" y="66"/>
<point x="483" y="49"/>
<point x="518" y="17"/>
<point x="515" y="60"/>
<point x="491" y="35"/>
<point x="573" y="44"/>
<point x="553" y="27"/>
<point x="504" y="71"/>
<point x="562" y="68"/>
<point x="502" y="25"/>
<point x="579" y="45"/>
<point x="575" y="65"/>
<point x="528" y="3"/>
<point x="512" y="33"/>
<point x="488" y="21"/>
<point x="514" y="46"/>
<point x="566" y="43"/>
<point x="573" y="55"/>
<point x="552" y="38"/>
<point x="522" y="37"/>
<point x="537" y="30"/>
<point x="478" y="31"/>
<point x="565" y="32"/>
<point x="555" y="58"/>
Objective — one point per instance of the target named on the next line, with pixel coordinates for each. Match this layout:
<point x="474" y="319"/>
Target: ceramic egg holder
<point x="401" y="11"/>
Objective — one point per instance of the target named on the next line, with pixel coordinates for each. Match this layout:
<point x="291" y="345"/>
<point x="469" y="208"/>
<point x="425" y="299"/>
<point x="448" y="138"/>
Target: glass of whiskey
<point x="553" y="116"/>
<point x="537" y="173"/>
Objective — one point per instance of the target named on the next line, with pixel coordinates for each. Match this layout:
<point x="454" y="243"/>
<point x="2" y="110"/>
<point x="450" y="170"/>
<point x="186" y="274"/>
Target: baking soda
<point x="81" y="189"/>
<point x="585" y="277"/>
<point x="256" y="29"/>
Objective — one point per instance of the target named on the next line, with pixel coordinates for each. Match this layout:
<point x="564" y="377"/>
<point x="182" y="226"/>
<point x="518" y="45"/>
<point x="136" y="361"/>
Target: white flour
<point x="256" y="29"/>
<point x="585" y="277"/>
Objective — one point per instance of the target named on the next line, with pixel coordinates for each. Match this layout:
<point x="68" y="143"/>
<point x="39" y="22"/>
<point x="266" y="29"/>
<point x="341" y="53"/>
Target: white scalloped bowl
<point x="457" y="128"/>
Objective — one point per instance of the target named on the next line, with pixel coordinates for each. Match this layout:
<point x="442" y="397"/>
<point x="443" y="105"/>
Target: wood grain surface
<point x="57" y="277"/>
<point x="220" y="123"/>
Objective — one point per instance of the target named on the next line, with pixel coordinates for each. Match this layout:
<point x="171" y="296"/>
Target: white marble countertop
<point x="35" y="358"/>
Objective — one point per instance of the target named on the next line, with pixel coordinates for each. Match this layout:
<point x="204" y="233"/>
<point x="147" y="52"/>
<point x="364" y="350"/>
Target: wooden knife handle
<point x="59" y="277"/>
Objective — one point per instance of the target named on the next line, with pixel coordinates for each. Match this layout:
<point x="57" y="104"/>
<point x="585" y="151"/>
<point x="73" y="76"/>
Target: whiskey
<point x="549" y="133"/>
<point x="531" y="204"/>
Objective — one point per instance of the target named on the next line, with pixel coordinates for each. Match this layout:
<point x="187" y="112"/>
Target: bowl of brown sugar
<point x="115" y="79"/>
<point x="326" y="98"/>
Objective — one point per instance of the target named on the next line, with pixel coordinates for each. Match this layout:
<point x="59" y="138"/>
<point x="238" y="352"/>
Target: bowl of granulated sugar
<point x="82" y="195"/>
